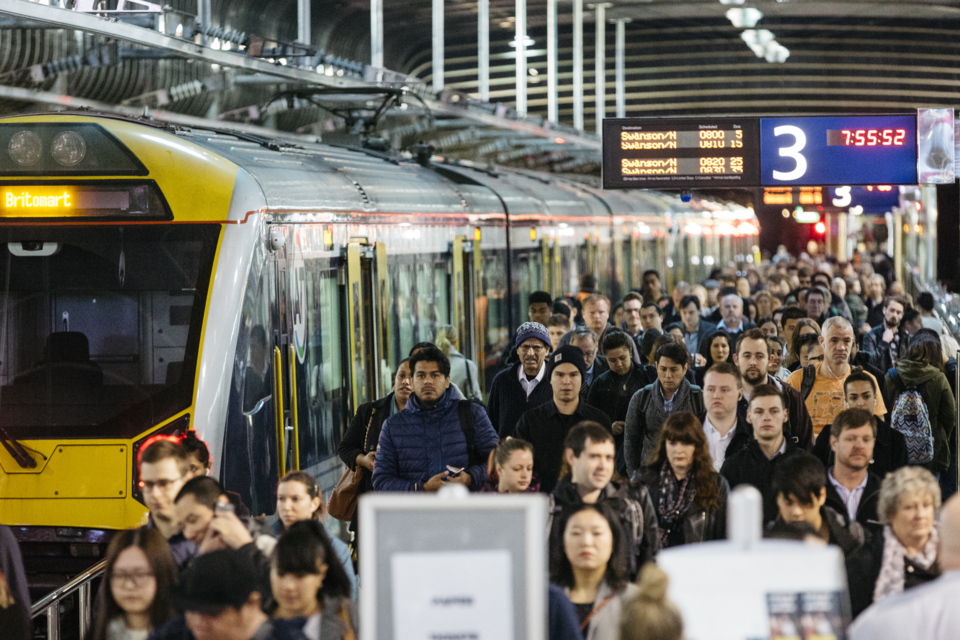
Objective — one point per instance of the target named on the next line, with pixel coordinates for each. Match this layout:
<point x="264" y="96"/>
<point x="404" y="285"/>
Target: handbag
<point x="342" y="504"/>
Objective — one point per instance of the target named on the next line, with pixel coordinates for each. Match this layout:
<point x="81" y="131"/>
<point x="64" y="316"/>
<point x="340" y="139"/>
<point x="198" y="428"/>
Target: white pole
<point x="483" y="43"/>
<point x="303" y="21"/>
<point x="578" y="65"/>
<point x="552" y="61"/>
<point x="376" y="33"/>
<point x="600" y="67"/>
<point x="621" y="67"/>
<point x="521" y="38"/>
<point x="437" y="46"/>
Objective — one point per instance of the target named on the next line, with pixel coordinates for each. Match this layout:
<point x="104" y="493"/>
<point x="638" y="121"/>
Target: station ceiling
<point x="682" y="58"/>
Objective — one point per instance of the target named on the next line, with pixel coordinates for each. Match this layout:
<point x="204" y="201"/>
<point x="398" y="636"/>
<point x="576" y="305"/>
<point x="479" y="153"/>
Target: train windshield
<point x="100" y="326"/>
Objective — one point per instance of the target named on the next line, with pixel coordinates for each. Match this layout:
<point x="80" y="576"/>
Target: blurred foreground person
<point x="592" y="570"/>
<point x="311" y="592"/>
<point x="139" y="577"/>
<point x="929" y="612"/>
<point x="649" y="615"/>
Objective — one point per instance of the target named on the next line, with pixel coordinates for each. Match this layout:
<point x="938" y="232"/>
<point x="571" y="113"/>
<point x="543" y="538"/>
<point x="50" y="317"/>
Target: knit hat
<point x="532" y="330"/>
<point x="567" y="354"/>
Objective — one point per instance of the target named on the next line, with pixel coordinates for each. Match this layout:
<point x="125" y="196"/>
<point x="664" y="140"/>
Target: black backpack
<point x="809" y="378"/>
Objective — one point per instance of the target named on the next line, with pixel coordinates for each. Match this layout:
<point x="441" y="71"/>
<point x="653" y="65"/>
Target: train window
<point x="321" y="380"/>
<point x="404" y="313"/>
<point x="493" y="296"/>
<point x="94" y="339"/>
<point x="441" y="286"/>
<point x="426" y="316"/>
<point x="249" y="464"/>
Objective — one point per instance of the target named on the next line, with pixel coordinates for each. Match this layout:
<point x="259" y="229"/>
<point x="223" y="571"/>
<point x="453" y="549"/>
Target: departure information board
<point x="680" y="153"/>
<point x="698" y="152"/>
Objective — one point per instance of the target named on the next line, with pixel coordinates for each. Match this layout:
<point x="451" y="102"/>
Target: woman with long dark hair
<point x="311" y="592"/>
<point x="689" y="496"/>
<point x="717" y="347"/>
<point x="592" y="569"/>
<point x="135" y="598"/>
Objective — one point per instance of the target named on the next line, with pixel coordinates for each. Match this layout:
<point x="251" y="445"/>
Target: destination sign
<point x="104" y="199"/>
<point x="680" y="153"/>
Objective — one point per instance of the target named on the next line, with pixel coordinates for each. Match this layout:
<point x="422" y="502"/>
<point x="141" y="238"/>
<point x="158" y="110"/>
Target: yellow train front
<point x="159" y="279"/>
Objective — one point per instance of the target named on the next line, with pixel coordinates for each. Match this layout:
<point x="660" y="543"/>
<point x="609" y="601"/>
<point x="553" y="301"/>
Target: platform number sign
<point x="834" y="150"/>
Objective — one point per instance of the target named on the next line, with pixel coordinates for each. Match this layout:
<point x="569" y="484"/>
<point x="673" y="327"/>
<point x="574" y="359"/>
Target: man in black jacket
<point x="546" y="426"/>
<point x="851" y="488"/>
<point x="890" y="447"/>
<point x="671" y="312"/>
<point x="756" y="463"/>
<point x="888" y="340"/>
<point x="752" y="357"/>
<point x="613" y="389"/>
<point x="695" y="328"/>
<point x="522" y="386"/>
<point x="800" y="486"/>
<point x="589" y="452"/>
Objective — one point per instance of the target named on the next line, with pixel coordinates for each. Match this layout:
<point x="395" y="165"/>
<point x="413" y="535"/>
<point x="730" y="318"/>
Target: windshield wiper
<point x="16" y="450"/>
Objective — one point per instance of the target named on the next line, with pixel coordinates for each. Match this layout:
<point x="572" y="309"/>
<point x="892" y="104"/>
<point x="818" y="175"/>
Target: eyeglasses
<point x="163" y="485"/>
<point x="135" y="578"/>
<point x="534" y="349"/>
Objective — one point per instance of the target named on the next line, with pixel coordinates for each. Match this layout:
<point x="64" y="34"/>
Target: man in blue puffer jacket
<point x="423" y="446"/>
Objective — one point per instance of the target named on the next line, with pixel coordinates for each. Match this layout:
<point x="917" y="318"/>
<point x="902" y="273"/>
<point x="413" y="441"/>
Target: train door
<point x="463" y="291"/>
<point x="364" y="320"/>
<point x="546" y="266"/>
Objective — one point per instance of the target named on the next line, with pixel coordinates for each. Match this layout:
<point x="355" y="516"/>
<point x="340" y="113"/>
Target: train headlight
<point x="25" y="148"/>
<point x="68" y="148"/>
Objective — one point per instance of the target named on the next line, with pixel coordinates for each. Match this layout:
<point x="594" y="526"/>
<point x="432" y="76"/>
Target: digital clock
<point x="866" y="137"/>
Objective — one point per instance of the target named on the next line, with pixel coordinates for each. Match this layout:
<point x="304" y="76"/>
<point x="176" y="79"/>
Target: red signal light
<point x="820" y="228"/>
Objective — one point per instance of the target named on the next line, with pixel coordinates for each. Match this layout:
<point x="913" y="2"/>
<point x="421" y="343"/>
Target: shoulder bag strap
<point x="596" y="610"/>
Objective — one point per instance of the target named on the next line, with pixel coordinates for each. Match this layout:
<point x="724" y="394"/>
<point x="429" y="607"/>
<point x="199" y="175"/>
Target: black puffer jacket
<point x="699" y="524"/>
<point x="751" y="466"/>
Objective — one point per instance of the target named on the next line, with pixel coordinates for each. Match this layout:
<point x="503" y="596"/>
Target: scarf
<point x="892" y="577"/>
<point x="676" y="496"/>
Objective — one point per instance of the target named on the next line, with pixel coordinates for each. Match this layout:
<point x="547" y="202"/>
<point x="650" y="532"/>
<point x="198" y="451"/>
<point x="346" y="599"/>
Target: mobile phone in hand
<point x="453" y="472"/>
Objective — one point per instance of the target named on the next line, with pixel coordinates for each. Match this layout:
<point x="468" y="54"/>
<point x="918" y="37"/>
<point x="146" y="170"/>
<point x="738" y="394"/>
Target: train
<point x="163" y="278"/>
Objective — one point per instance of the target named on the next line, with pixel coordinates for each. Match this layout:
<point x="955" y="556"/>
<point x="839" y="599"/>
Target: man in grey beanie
<point x="521" y="386"/>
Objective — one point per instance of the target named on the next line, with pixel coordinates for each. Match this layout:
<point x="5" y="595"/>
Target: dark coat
<point x="874" y="313"/>
<point x="866" y="580"/>
<point x="543" y="428"/>
<point x="751" y="466"/>
<point x="632" y="504"/>
<point x="747" y="325"/>
<point x="874" y="344"/>
<point x="614" y="393"/>
<point x="889" y="450"/>
<point x="357" y="441"/>
<point x="562" y="620"/>
<point x="418" y="443"/>
<point x="799" y="427"/>
<point x="867" y="510"/>
<point x="941" y="406"/>
<point x="507" y="400"/>
<point x="699" y="524"/>
<point x="704" y="329"/>
<point x="599" y="368"/>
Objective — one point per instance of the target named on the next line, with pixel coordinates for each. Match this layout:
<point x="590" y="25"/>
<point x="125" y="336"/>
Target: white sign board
<point x="429" y="602"/>
<point x="471" y="568"/>
<point x="730" y="592"/>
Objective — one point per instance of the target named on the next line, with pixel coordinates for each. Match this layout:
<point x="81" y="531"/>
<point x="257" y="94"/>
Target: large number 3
<point x="792" y="152"/>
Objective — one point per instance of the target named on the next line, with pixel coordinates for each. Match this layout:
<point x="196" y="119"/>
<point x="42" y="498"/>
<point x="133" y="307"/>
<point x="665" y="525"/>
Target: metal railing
<point x="50" y="604"/>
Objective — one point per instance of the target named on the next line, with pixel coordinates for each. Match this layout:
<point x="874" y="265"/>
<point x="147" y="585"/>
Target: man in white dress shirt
<point x="722" y="390"/>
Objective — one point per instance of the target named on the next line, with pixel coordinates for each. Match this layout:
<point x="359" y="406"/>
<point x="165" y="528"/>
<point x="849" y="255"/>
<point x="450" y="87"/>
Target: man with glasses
<point x="521" y="387"/>
<point x="586" y="340"/>
<point x="164" y="468"/>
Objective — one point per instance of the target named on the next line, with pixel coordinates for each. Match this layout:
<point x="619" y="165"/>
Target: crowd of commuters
<point x="818" y="383"/>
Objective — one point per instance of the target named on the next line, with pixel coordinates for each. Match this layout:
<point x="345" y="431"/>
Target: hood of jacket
<point x="916" y="373"/>
<point x="449" y="396"/>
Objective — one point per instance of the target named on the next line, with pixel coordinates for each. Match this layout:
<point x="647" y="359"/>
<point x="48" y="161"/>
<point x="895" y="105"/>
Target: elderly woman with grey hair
<point x="905" y="551"/>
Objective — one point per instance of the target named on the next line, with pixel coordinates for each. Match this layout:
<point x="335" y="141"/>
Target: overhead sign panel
<point x="838" y="150"/>
<point x="680" y="153"/>
<point x="696" y="152"/>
